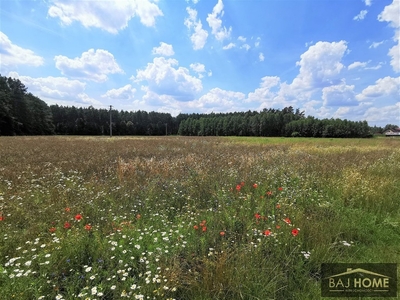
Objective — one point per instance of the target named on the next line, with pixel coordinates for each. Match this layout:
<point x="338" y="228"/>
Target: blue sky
<point x="330" y="58"/>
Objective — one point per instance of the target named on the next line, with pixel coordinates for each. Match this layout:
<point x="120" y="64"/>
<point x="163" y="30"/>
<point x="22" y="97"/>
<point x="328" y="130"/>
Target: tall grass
<point x="191" y="218"/>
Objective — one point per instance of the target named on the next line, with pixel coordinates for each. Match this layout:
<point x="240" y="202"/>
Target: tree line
<point x="22" y="113"/>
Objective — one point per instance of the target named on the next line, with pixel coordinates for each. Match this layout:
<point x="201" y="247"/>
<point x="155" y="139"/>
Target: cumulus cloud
<point x="245" y="46"/>
<point x="390" y="14"/>
<point x="126" y="92"/>
<point x="60" y="90"/>
<point x="261" y="56"/>
<point x="92" y="65"/>
<point x="383" y="87"/>
<point x="320" y="65"/>
<point x="264" y="93"/>
<point x="339" y="95"/>
<point x="361" y="15"/>
<point x="164" y="49"/>
<point x="242" y="39"/>
<point x="111" y="16"/>
<point x="199" y="35"/>
<point x="368" y="2"/>
<point x="215" y="22"/>
<point x="218" y="100"/>
<point x="229" y="46"/>
<point x="12" y="55"/>
<point x="165" y="77"/>
<point x="357" y="64"/>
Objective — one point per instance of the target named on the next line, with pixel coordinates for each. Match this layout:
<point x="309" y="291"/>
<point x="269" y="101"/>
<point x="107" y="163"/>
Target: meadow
<point x="191" y="217"/>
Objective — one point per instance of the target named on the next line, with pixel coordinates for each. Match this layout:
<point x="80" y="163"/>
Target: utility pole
<point x="110" y="122"/>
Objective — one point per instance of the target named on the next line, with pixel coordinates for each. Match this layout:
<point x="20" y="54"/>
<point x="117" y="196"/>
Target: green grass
<point x="191" y="218"/>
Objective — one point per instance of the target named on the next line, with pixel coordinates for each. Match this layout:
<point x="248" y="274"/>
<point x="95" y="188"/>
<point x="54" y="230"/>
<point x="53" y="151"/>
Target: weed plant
<point x="191" y="218"/>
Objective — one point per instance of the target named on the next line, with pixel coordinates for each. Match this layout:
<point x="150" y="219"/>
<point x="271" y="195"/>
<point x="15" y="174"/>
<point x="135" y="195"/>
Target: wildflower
<point x="67" y="209"/>
<point x="242" y="183"/>
<point x="267" y="232"/>
<point x="138" y="216"/>
<point x="203" y="223"/>
<point x="88" y="227"/>
<point x="280" y="189"/>
<point x="52" y="229"/>
<point x="287" y="221"/>
<point x="278" y="206"/>
<point x="257" y="216"/>
<point x="195" y="227"/>
<point x="295" y="231"/>
<point x="2" y="218"/>
<point x="255" y="185"/>
<point x="67" y="225"/>
<point x="278" y="226"/>
<point x="88" y="269"/>
<point x="113" y="287"/>
<point x="222" y="233"/>
<point x="204" y="228"/>
<point x="78" y="217"/>
<point x="238" y="187"/>
<point x="269" y="193"/>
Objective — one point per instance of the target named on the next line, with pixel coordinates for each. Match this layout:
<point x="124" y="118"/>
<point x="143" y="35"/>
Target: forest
<point x="22" y="113"/>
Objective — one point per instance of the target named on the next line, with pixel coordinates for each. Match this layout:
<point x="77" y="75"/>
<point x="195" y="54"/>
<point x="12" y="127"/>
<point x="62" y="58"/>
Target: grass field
<point x="191" y="218"/>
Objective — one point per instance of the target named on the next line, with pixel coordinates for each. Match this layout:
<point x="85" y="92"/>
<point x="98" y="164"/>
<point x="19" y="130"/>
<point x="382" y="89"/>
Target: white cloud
<point x="164" y="77"/>
<point x="257" y="42"/>
<point x="245" y="46"/>
<point x="198" y="67"/>
<point x="261" y="56"/>
<point x="12" y="55"/>
<point x="339" y="95"/>
<point x="376" y="44"/>
<point x="219" y="100"/>
<point x="199" y="36"/>
<point x="264" y="93"/>
<point x="51" y="87"/>
<point x="387" y="86"/>
<point x="368" y="2"/>
<point x="377" y="114"/>
<point x="357" y="64"/>
<point x="111" y="15"/>
<point x="229" y="46"/>
<point x="57" y="90"/>
<point x="215" y="22"/>
<point x="92" y="65"/>
<point x="242" y="39"/>
<point x="126" y="92"/>
<point x="361" y="15"/>
<point x="164" y="49"/>
<point x="320" y="65"/>
<point x="390" y="14"/>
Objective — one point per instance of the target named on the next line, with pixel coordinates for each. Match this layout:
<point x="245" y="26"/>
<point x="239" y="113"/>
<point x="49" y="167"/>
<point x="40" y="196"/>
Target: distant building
<point x="392" y="132"/>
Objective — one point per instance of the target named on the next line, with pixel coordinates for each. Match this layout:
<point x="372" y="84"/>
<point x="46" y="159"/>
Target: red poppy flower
<point x="242" y="183"/>
<point x="78" y="217"/>
<point x="255" y="185"/>
<point x="277" y="226"/>
<point x="269" y="193"/>
<point x="267" y="232"/>
<point x="222" y="233"/>
<point x="278" y="206"/>
<point x="280" y="188"/>
<point x="67" y="209"/>
<point x="287" y="221"/>
<point x="257" y="216"/>
<point x="67" y="225"/>
<point x="238" y="187"/>
<point x="295" y="231"/>
<point x="88" y="227"/>
<point x="195" y="227"/>
<point x="2" y="218"/>
<point x="52" y="229"/>
<point x="204" y="229"/>
<point x="203" y="223"/>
